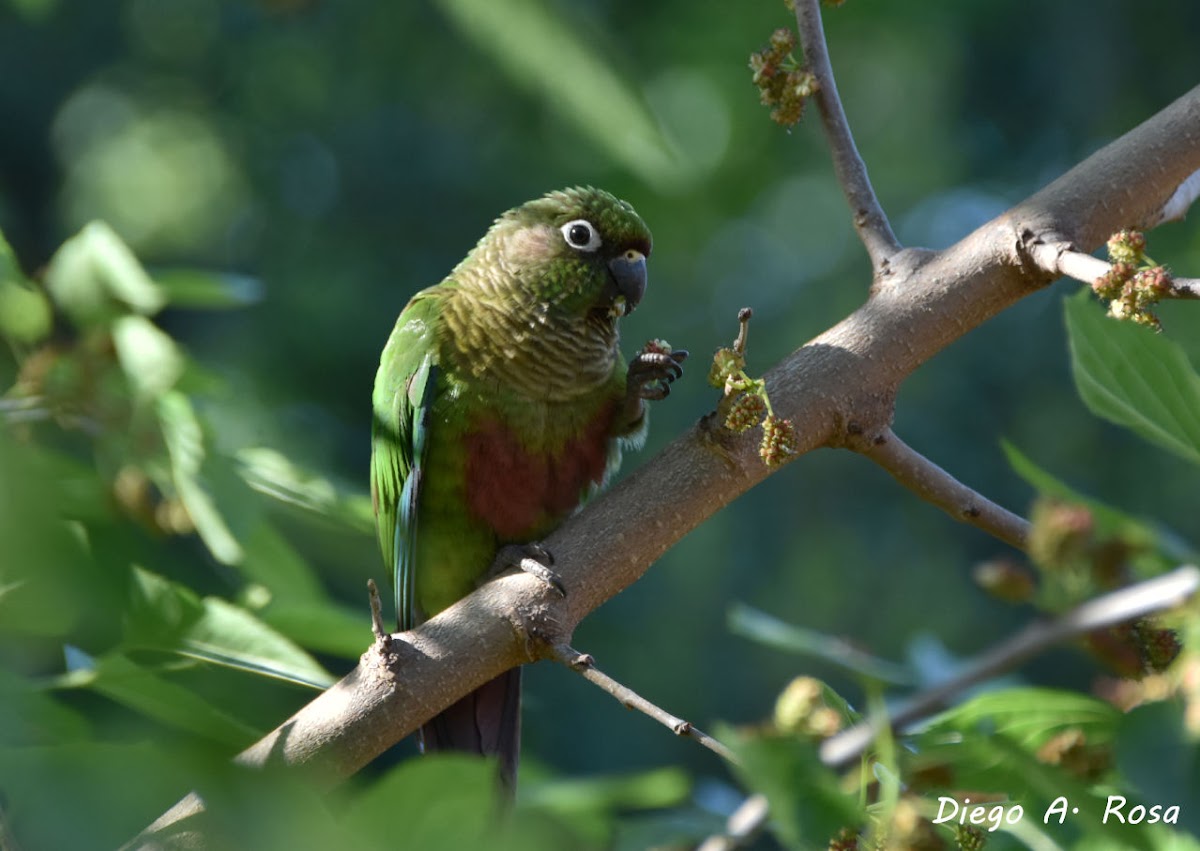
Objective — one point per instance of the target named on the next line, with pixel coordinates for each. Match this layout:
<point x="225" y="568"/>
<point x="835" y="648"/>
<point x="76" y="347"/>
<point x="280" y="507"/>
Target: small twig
<point x="744" y="317"/>
<point x="1144" y="598"/>
<point x="869" y="219"/>
<point x="1060" y="259"/>
<point x="933" y="484"/>
<point x="743" y="825"/>
<point x="584" y="665"/>
<point x="382" y="636"/>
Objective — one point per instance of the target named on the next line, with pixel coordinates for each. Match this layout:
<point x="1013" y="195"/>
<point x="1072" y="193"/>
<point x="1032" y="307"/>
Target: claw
<point x="531" y="558"/>
<point x="651" y="373"/>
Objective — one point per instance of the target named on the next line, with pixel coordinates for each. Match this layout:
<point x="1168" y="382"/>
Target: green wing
<point x="403" y="397"/>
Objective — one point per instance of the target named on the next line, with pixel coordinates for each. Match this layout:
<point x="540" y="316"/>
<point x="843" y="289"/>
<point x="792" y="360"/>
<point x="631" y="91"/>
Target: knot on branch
<point x="539" y="629"/>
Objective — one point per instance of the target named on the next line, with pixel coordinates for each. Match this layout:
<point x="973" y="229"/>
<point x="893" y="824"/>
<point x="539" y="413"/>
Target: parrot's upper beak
<point x="629" y="272"/>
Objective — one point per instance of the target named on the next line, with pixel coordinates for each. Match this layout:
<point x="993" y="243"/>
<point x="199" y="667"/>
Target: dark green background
<point x="342" y="155"/>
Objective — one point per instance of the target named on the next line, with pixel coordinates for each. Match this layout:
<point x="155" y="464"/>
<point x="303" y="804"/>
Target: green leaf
<point x="272" y="473"/>
<point x="25" y="314"/>
<point x="29" y="716"/>
<point x="591" y="804"/>
<point x="1134" y="377"/>
<point x="807" y="805"/>
<point x="1109" y="521"/>
<point x="94" y="277"/>
<point x="109" y="791"/>
<point x="149" y="357"/>
<point x="758" y="626"/>
<point x="170" y="618"/>
<point x="1029" y="716"/>
<point x="1155" y="752"/>
<point x="447" y="801"/>
<point x="44" y="584"/>
<point x="324" y="627"/>
<point x="198" y="289"/>
<point x="129" y="684"/>
<point x="551" y="55"/>
<point x="185" y="446"/>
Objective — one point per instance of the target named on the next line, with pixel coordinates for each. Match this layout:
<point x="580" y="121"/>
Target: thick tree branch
<point x="840" y="384"/>
<point x="933" y="484"/>
<point x="1154" y="595"/>
<point x="869" y="219"/>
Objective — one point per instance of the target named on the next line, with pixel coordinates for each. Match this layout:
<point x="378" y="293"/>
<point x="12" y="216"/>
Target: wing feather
<point x="404" y="392"/>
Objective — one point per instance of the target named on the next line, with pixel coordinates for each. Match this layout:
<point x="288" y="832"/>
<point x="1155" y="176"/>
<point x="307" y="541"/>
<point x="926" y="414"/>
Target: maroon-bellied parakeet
<point x="501" y="403"/>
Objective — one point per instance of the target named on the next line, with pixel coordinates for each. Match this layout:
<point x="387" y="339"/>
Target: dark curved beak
<point x="629" y="273"/>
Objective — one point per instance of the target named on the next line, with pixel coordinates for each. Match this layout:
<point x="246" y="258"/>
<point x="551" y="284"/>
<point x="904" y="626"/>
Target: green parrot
<point x="501" y="403"/>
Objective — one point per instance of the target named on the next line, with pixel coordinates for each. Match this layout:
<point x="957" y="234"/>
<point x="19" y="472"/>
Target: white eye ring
<point x="580" y="235"/>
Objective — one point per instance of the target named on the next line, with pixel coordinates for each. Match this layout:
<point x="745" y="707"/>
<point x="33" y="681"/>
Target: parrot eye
<point x="580" y="234"/>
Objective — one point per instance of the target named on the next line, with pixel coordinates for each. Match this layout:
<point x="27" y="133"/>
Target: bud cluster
<point x="783" y="84"/>
<point x="1134" y="283"/>
<point x="745" y="404"/>
<point x="1076" y="562"/>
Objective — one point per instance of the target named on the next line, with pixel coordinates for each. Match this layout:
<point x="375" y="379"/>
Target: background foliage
<point x="277" y="177"/>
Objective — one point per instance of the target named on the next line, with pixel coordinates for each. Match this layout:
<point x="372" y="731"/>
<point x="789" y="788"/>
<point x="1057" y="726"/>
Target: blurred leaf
<point x="185" y="446"/>
<point x="29" y="716"/>
<point x="1109" y="520"/>
<point x="131" y="685"/>
<point x="197" y="289"/>
<point x="590" y="805"/>
<point x="149" y="357"/>
<point x="1133" y="377"/>
<point x="92" y="794"/>
<point x="25" y="315"/>
<point x="324" y="627"/>
<point x="272" y="473"/>
<point x="990" y="743"/>
<point x="445" y="801"/>
<point x="41" y="563"/>
<point x="94" y="277"/>
<point x="1155" y="752"/>
<point x="758" y="626"/>
<point x="167" y="617"/>
<point x="673" y="829"/>
<point x="542" y="50"/>
<point x="273" y="561"/>
<point x="1029" y="716"/>
<point x="807" y="804"/>
<point x="275" y="808"/>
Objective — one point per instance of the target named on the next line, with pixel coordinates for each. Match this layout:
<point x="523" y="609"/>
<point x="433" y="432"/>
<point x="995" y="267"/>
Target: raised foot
<point x="651" y="373"/>
<point x="531" y="558"/>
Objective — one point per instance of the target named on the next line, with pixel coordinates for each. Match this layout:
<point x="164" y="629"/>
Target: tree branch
<point x="584" y="665"/>
<point x="841" y="383"/>
<point x="933" y="484"/>
<point x="1153" y="595"/>
<point x="742" y="827"/>
<point x="1062" y="259"/>
<point x="869" y="219"/>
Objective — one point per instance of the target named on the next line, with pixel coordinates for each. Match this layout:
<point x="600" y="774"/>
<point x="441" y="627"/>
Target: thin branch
<point x="1154" y="595"/>
<point x="933" y="484"/>
<point x="584" y="665"/>
<point x="382" y="636"/>
<point x="869" y="218"/>
<point x="1060" y="259"/>
<point x="742" y="826"/>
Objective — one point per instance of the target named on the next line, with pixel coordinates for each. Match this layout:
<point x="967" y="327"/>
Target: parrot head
<point x="579" y="252"/>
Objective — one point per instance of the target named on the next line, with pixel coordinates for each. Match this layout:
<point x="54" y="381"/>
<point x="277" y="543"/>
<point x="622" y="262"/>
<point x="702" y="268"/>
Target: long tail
<point x="487" y="721"/>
